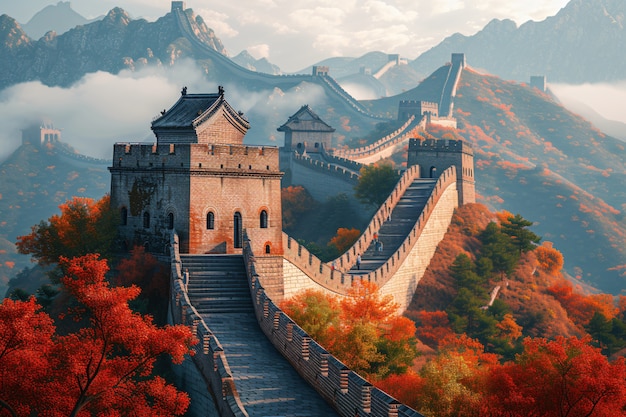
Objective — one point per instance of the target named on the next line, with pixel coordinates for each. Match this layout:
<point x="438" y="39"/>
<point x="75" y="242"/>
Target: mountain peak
<point x="118" y="16"/>
<point x="12" y="34"/>
<point x="58" y="18"/>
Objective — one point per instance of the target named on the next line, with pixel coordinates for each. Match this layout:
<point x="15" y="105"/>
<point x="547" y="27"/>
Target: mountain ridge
<point x="578" y="44"/>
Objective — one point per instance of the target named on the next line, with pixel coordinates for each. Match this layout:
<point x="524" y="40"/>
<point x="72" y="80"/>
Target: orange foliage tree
<point x="344" y="239"/>
<point x="452" y="380"/>
<point x="104" y="368"/>
<point x="369" y="336"/>
<point x="550" y="259"/>
<point x="296" y="201"/>
<point x="316" y="312"/>
<point x="84" y="226"/>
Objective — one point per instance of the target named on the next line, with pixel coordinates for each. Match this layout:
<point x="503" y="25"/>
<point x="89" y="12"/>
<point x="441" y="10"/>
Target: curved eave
<point x="234" y="117"/>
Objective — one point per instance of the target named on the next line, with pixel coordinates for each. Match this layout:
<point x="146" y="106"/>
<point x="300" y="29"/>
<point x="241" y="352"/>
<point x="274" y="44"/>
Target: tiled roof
<point x="186" y="110"/>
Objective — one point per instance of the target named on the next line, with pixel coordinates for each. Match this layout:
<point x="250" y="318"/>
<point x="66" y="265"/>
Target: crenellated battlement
<point x="196" y="156"/>
<point x="440" y="145"/>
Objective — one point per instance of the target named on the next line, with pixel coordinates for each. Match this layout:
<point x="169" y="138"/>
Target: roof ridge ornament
<point x="183" y="92"/>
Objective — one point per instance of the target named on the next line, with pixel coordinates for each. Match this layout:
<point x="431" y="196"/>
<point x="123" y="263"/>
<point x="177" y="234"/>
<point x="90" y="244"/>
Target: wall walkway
<point x="302" y="269"/>
<point x="346" y="391"/>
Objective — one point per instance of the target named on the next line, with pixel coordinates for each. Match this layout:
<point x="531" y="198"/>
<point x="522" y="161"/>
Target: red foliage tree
<point x="433" y="327"/>
<point x="581" y="308"/>
<point x="104" y="368"/>
<point x="145" y="271"/>
<point x="563" y="377"/>
<point x="25" y="341"/>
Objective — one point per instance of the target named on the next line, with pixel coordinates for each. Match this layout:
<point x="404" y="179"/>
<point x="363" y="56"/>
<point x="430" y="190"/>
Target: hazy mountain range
<point x="532" y="155"/>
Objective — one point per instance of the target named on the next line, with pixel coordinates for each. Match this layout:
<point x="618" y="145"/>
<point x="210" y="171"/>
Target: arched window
<point x="268" y="249"/>
<point x="237" y="231"/>
<point x="170" y="221"/>
<point x="210" y="220"/>
<point x="263" y="219"/>
<point x="146" y="220"/>
<point x="124" y="216"/>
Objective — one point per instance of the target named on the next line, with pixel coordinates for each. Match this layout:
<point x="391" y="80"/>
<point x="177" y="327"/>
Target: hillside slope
<point x="35" y="181"/>
<point x="536" y="158"/>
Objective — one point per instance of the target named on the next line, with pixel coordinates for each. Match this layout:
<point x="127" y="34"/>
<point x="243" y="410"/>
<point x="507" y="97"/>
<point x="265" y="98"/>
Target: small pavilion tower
<point x="200" y="180"/>
<point x="305" y="131"/>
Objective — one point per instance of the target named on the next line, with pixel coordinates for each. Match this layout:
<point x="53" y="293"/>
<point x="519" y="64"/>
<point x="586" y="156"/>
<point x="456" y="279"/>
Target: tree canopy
<point x="363" y="329"/>
<point x="84" y="226"/>
<point x="375" y="183"/>
<point x="103" y="368"/>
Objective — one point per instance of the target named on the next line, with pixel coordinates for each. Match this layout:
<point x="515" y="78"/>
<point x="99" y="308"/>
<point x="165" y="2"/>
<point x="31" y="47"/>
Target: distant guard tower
<point x="435" y="156"/>
<point x="538" y="82"/>
<point x="41" y="134"/>
<point x="200" y="180"/>
<point x="178" y="5"/>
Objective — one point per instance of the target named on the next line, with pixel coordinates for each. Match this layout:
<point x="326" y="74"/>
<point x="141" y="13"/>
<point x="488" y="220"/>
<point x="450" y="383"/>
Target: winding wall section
<point x="399" y="275"/>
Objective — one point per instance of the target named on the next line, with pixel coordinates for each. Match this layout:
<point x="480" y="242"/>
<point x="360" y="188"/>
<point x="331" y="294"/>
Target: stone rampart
<point x="323" y="180"/>
<point x="209" y="357"/>
<point x="384" y="147"/>
<point x="303" y="270"/>
<point x="345" y="390"/>
<point x="326" y="168"/>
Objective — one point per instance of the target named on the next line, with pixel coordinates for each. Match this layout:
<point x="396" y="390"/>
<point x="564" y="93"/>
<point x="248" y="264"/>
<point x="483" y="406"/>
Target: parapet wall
<point x="302" y="267"/>
<point x="349" y="393"/>
<point x="441" y="145"/>
<point x="386" y="143"/>
<point x="209" y="357"/>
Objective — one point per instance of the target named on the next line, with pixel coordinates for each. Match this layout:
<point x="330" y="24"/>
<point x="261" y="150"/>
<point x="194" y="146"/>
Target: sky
<point x="294" y="34"/>
<point x="102" y="108"/>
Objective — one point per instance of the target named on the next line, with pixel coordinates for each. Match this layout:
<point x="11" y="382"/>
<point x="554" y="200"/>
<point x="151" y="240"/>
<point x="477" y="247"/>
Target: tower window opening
<point x="263" y="219"/>
<point x="124" y="216"/>
<point x="170" y="221"/>
<point x="237" y="231"/>
<point x="146" y="220"/>
<point x="210" y="220"/>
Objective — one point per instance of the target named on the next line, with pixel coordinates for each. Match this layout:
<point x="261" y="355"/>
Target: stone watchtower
<point x="200" y="180"/>
<point x="435" y="156"/>
<point x="305" y="131"/>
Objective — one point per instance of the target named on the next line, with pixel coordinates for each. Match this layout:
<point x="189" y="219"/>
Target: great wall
<point x="214" y="204"/>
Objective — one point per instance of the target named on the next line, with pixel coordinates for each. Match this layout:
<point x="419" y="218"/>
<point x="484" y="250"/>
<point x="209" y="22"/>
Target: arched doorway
<point x="433" y="172"/>
<point x="238" y="230"/>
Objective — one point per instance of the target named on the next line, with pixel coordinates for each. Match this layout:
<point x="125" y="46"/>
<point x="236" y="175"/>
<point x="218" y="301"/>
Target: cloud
<point x="259" y="51"/>
<point x="218" y="22"/>
<point x="320" y="18"/>
<point x="609" y="100"/>
<point x="99" y="110"/>
<point x="383" y="12"/>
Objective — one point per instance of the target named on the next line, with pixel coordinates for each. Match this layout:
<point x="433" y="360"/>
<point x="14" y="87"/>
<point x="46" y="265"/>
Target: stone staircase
<point x="395" y="229"/>
<point x="266" y="382"/>
<point x="217" y="283"/>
